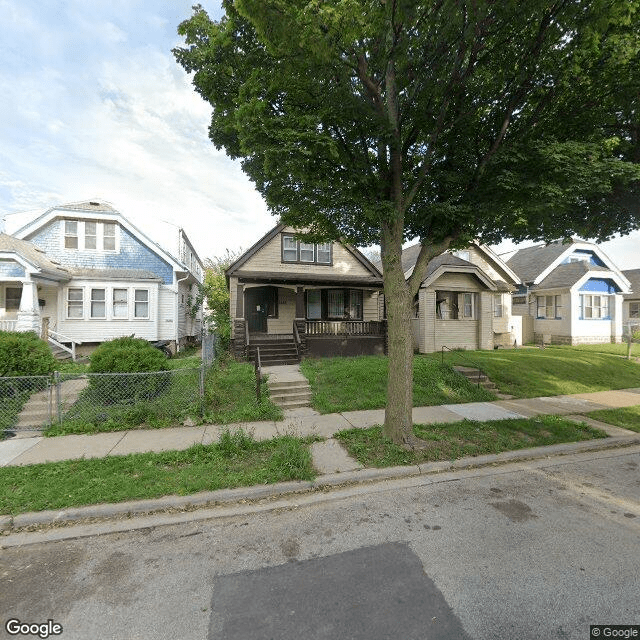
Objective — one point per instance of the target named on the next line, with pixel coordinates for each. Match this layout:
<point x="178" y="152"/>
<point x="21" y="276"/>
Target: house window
<point x="595" y="307"/>
<point x="519" y="300"/>
<point x="314" y="305"/>
<point x="294" y="250"/>
<point x="548" y="307"/>
<point x="12" y="299"/>
<point x="75" y="303"/>
<point x="468" y="305"/>
<point x="120" y="303"/>
<point x="70" y="234"/>
<point x="98" y="303"/>
<point x="463" y="255"/>
<point x="141" y="301"/>
<point x="323" y="253"/>
<point x="634" y="309"/>
<point x="355" y="305"/>
<point x="289" y="249"/>
<point x="497" y="306"/>
<point x="307" y="253"/>
<point x="90" y="235"/>
<point x="109" y="236"/>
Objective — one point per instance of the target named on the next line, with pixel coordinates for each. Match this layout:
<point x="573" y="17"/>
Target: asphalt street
<point x="531" y="550"/>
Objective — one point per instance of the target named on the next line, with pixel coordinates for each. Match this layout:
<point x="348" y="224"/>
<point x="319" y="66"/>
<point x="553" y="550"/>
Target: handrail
<point x="258" y="368"/>
<point x="296" y="338"/>
<point x="475" y="364"/>
<point x="56" y="338"/>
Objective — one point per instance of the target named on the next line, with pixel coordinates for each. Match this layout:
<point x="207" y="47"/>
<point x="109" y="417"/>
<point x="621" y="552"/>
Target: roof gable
<point x="266" y="256"/>
<point x="31" y="255"/>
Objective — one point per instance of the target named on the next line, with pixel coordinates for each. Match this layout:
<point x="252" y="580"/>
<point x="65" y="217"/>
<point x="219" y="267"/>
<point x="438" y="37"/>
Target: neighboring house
<point x="631" y="302"/>
<point x="464" y="302"/>
<point x="82" y="274"/>
<point x="291" y="297"/>
<point x="573" y="292"/>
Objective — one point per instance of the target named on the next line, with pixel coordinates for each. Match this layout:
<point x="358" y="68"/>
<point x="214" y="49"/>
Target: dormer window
<point x="294" y="250"/>
<point x="70" y="234"/>
<point x="90" y="235"/>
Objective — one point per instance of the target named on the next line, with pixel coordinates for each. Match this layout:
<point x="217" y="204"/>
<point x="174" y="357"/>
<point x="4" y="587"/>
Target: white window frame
<point x="306" y="247"/>
<point x="98" y="301"/>
<point x="78" y="303"/>
<point x="547" y="307"/>
<point x="136" y="302"/>
<point x="471" y="304"/>
<point x="105" y="236"/>
<point x="121" y="303"/>
<point x="599" y="306"/>
<point x="93" y="235"/>
<point x="71" y="234"/>
<point x="634" y="309"/>
<point x="323" y="248"/>
<point x="498" y="305"/>
<point x="288" y="249"/>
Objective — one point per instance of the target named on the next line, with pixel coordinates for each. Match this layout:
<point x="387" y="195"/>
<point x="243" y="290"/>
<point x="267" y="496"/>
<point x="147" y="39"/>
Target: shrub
<point x="127" y="355"/>
<point x="24" y="354"/>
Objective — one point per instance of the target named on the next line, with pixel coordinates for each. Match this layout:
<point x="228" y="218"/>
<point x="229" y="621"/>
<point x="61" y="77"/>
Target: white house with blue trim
<point x="81" y="273"/>
<point x="573" y="291"/>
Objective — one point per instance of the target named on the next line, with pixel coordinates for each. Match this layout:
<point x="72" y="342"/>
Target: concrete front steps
<point x="274" y="353"/>
<point x="477" y="377"/>
<point x="290" y="395"/>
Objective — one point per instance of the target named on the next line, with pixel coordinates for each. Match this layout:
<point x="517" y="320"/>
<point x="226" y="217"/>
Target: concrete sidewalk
<point x="329" y="457"/>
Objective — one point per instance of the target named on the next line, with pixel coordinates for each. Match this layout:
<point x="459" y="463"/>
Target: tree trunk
<point x="398" y="420"/>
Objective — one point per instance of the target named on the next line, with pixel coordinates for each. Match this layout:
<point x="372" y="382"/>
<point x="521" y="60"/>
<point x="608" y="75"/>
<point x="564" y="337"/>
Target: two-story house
<point x="292" y="297"/>
<point x="573" y="292"/>
<point x="81" y="273"/>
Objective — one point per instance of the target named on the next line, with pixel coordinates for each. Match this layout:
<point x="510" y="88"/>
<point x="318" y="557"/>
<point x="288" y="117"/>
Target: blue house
<point x="81" y="273"/>
<point x="572" y="293"/>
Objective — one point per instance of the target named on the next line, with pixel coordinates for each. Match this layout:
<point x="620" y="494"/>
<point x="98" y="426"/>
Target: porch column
<point x="238" y="326"/>
<point x="29" y="312"/>
<point x="300" y="318"/>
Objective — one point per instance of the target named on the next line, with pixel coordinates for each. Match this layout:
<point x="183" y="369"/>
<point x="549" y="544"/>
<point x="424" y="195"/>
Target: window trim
<point x="346" y="304"/>
<point x="12" y="309"/>
<point x="136" y="302"/>
<point x="498" y="305"/>
<point x="99" y="235"/>
<point x="124" y="302"/>
<point x="76" y="303"/>
<point x="103" y="301"/>
<point x="600" y="307"/>
<point x="298" y="244"/>
<point x="637" y="310"/>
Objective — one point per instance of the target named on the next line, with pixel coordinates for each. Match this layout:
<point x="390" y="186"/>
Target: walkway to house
<point x="329" y="457"/>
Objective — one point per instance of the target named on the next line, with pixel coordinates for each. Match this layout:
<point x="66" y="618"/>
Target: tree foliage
<point x="384" y="120"/>
<point x="215" y="293"/>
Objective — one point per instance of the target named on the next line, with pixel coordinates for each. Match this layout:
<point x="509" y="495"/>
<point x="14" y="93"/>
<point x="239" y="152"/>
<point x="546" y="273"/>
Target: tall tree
<point x="385" y="120"/>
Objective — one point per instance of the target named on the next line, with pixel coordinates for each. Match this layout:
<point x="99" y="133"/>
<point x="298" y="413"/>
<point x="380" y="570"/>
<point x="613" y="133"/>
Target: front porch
<point x="307" y="320"/>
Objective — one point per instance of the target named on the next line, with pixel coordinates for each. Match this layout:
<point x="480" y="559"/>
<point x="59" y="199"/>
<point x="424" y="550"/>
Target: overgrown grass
<point x="229" y="398"/>
<point x="236" y="461"/>
<point x="349" y="384"/>
<point x="627" y="417"/>
<point x="230" y="395"/>
<point x="553" y="371"/>
<point x="467" y="438"/>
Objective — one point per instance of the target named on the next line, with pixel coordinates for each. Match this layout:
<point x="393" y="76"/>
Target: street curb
<point x="11" y="524"/>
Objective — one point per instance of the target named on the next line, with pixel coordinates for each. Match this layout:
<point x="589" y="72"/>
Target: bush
<point x="24" y="354"/>
<point x="127" y="355"/>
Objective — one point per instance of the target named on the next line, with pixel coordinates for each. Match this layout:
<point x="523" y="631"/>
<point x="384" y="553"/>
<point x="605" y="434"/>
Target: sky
<point x="94" y="106"/>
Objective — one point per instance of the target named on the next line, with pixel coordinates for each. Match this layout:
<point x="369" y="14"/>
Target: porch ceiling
<point x="263" y="277"/>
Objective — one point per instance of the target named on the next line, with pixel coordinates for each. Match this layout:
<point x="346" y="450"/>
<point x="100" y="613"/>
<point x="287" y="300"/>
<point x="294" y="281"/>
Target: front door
<point x="256" y="303"/>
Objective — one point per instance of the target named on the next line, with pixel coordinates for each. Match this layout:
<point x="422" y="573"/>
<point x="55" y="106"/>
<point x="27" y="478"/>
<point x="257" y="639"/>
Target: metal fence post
<point x="56" y="377"/>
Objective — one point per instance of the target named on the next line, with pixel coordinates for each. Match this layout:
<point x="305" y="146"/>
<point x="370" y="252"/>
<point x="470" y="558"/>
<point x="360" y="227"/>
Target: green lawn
<point x="236" y="461"/>
<point x="468" y="438"/>
<point x="229" y="397"/>
<point x="627" y="418"/>
<point x="615" y="349"/>
<point x="532" y="372"/>
<point x="349" y="384"/>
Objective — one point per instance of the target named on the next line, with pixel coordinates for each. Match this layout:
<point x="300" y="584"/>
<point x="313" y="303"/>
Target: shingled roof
<point x="633" y="275"/>
<point x="34" y="256"/>
<point x="566" y="275"/>
<point x="529" y="263"/>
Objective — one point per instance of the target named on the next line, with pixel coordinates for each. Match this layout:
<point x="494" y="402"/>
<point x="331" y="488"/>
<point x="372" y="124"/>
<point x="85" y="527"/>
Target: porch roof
<point x="34" y="256"/>
<point x="308" y="278"/>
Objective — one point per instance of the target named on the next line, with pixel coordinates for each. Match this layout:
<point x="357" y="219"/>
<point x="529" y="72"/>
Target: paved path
<point x="306" y="422"/>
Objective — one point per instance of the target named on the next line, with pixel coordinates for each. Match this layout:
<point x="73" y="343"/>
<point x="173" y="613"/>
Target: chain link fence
<point x="69" y="402"/>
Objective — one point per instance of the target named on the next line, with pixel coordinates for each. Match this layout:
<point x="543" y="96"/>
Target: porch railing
<point x="344" y="327"/>
<point x="8" y="325"/>
<point x="58" y="340"/>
